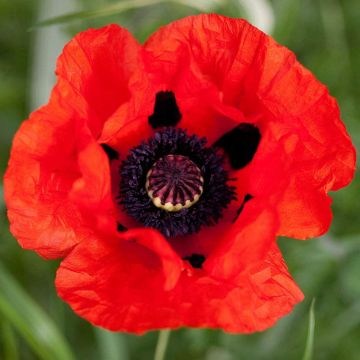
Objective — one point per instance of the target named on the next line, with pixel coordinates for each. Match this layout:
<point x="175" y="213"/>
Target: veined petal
<point x="109" y="285"/>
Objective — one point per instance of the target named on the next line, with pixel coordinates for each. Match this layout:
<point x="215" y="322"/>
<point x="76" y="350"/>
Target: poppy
<point x="162" y="174"/>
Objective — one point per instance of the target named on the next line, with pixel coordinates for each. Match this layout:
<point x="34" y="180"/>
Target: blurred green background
<point x="36" y="324"/>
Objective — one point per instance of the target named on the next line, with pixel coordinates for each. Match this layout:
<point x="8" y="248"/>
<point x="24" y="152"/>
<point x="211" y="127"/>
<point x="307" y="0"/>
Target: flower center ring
<point x="174" y="182"/>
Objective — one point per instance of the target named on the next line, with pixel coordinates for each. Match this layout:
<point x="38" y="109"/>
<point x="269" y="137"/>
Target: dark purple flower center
<point x="174" y="183"/>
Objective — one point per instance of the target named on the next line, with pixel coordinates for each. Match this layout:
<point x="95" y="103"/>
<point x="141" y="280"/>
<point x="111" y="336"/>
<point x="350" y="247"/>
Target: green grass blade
<point x="38" y="330"/>
<point x="120" y="7"/>
<point x="113" y="9"/>
<point x="9" y="342"/>
<point x="309" y="347"/>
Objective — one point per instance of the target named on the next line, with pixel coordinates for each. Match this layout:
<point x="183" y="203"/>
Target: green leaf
<point x="309" y="347"/>
<point x="38" y="330"/>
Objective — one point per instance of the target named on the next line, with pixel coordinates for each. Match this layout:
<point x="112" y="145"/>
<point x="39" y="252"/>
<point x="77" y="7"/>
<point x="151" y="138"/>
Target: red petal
<point x="315" y="150"/>
<point x="57" y="186"/>
<point x="92" y="191"/>
<point x="248" y="240"/>
<point x="223" y="72"/>
<point x="194" y="57"/>
<point x="215" y="64"/>
<point x="41" y="171"/>
<point x="117" y="285"/>
<point x="105" y="67"/>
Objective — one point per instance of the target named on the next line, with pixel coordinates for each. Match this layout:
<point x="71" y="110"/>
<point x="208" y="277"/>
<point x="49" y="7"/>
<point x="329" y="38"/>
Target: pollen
<point x="174" y="182"/>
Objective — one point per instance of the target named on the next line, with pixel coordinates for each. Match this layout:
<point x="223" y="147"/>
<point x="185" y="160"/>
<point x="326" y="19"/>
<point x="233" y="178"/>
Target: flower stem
<point x="161" y="345"/>
<point x="309" y="348"/>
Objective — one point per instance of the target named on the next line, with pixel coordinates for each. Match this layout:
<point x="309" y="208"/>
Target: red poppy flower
<point x="163" y="174"/>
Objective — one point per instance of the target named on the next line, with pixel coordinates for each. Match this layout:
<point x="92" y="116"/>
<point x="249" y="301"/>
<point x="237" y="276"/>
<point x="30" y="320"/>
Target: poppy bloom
<point x="162" y="175"/>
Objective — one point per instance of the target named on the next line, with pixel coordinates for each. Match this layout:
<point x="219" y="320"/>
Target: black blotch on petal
<point x="121" y="227"/>
<point x="246" y="199"/>
<point x="110" y="152"/>
<point x="166" y="111"/>
<point x="195" y="260"/>
<point x="240" y="144"/>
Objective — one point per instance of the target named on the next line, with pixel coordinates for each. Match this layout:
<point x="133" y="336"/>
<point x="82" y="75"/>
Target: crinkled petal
<point x="57" y="186"/>
<point x="317" y="153"/>
<point x="40" y="174"/>
<point x="192" y="58"/>
<point x="223" y="72"/>
<point x="246" y="241"/>
<point x="212" y="62"/>
<point x="105" y="67"/>
<point x="109" y="285"/>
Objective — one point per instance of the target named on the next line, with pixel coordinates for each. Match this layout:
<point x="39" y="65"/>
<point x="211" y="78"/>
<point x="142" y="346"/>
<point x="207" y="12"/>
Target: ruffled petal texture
<point x="61" y="183"/>
<point x="239" y="74"/>
<point x="121" y="286"/>
<point x="41" y="171"/>
<point x="57" y="185"/>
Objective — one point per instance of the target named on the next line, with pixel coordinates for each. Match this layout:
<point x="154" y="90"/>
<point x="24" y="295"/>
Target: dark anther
<point x="196" y="260"/>
<point x="121" y="227"/>
<point x="166" y="111"/>
<point x="110" y="152"/>
<point x="172" y="157"/>
<point x="240" y="144"/>
<point x="246" y="199"/>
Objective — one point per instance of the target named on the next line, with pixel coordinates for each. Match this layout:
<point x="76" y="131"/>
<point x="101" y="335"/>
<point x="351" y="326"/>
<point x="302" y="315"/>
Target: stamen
<point x="175" y="172"/>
